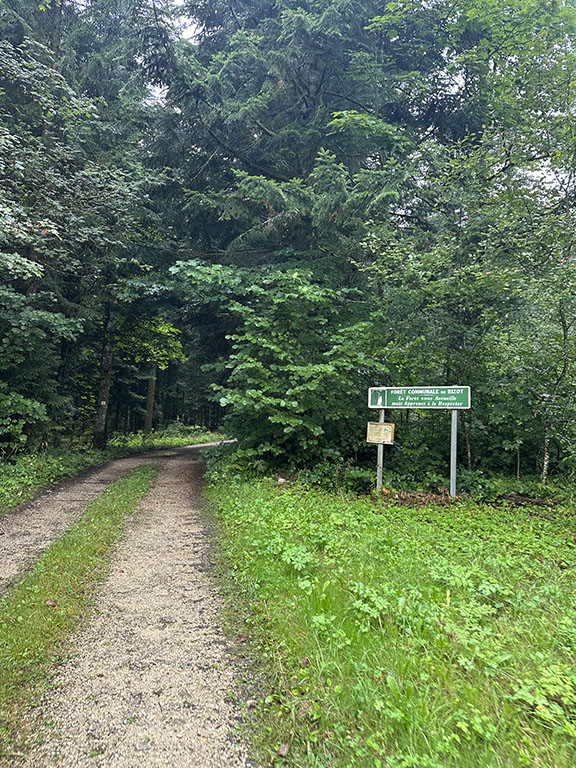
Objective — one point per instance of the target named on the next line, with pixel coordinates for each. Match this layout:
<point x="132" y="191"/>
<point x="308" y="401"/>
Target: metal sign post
<point x="422" y="398"/>
<point x="453" y="449"/>
<point x="380" y="456"/>
<point x="382" y="434"/>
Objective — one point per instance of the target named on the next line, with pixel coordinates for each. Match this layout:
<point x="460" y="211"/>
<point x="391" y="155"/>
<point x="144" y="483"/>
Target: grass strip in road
<point x="398" y="637"/>
<point x="38" y="614"/>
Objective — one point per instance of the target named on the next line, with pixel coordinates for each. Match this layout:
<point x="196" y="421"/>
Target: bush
<point x="295" y="374"/>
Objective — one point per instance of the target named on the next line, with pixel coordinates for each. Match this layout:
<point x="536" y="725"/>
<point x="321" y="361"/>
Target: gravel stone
<point x="152" y="679"/>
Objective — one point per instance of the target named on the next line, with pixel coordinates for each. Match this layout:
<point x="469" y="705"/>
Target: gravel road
<point x="28" y="530"/>
<point x="152" y="682"/>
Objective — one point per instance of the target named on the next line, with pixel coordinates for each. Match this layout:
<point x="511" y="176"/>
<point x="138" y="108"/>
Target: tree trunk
<point x="55" y="44"/>
<point x="117" y="416"/>
<point x="99" y="437"/>
<point x="150" y="399"/>
<point x="466" y="440"/>
<point x="518" y="463"/>
<point x="546" y="464"/>
<point x="548" y="417"/>
<point x="56" y="31"/>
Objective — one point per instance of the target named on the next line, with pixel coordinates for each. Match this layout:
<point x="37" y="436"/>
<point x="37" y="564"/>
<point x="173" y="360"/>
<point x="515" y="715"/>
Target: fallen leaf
<point x="283" y="750"/>
<point x="241" y="639"/>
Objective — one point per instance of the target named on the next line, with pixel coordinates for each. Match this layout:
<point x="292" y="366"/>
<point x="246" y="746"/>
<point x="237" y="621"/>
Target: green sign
<point x="419" y="397"/>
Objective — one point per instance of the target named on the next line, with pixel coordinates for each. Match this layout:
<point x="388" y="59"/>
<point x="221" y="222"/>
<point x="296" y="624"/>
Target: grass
<point x="434" y="637"/>
<point x="39" y="613"/>
<point x="167" y="438"/>
<point x="28" y="473"/>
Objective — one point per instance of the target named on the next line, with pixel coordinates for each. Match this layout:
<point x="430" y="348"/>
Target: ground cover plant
<point x="27" y="473"/>
<point x="38" y="614"/>
<point x="173" y="436"/>
<point x="423" y="637"/>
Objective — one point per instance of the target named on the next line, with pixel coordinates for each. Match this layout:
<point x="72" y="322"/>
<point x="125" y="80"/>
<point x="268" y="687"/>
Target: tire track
<point x="152" y="678"/>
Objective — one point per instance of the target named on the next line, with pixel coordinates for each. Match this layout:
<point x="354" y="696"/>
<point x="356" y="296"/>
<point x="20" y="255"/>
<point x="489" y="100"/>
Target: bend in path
<point x="152" y="676"/>
<point x="27" y="531"/>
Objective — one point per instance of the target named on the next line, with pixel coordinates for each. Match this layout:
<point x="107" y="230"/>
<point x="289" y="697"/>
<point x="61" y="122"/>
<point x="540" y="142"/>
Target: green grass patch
<point x="434" y="637"/>
<point x="25" y="475"/>
<point x="167" y="438"/>
<point x="38" y="614"/>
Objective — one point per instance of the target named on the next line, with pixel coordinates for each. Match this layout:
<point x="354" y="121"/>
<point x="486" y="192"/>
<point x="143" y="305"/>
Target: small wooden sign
<point x="380" y="432"/>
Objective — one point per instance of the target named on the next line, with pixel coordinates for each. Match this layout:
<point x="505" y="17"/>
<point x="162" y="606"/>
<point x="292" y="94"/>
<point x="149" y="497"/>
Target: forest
<point x="221" y="223"/>
<point x="247" y="212"/>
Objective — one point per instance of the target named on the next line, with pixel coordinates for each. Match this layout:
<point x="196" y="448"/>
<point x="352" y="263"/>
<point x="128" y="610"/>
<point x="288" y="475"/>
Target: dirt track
<point x="28" y="530"/>
<point x="152" y="681"/>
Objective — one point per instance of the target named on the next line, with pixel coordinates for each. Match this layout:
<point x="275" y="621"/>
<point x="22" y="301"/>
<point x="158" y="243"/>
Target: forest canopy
<point x="251" y="211"/>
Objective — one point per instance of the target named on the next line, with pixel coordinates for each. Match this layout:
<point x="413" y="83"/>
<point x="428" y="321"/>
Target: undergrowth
<point x="172" y="436"/>
<point x="38" y="614"/>
<point x="398" y="637"/>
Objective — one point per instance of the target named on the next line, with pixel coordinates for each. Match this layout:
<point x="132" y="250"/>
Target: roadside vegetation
<point x="27" y="473"/>
<point x="328" y="196"/>
<point x="173" y="436"/>
<point x="404" y="636"/>
<point x="38" y="614"/>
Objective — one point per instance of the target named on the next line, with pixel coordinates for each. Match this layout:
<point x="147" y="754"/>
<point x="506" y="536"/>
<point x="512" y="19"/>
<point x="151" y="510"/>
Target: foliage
<point x="400" y="636"/>
<point x="431" y="174"/>
<point x="74" y="212"/>
<point x="16" y="413"/>
<point x="297" y="359"/>
<point x="38" y="615"/>
<point x="149" y="341"/>
<point x="411" y="165"/>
